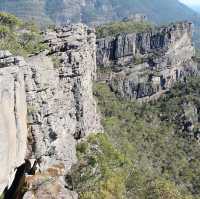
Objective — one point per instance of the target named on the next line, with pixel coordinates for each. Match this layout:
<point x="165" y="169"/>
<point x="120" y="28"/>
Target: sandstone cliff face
<point x="146" y="64"/>
<point x="59" y="97"/>
<point x="46" y="106"/>
<point x="13" y="111"/>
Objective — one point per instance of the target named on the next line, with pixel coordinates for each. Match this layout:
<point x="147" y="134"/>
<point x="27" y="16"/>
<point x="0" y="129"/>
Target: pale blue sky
<point x="191" y="2"/>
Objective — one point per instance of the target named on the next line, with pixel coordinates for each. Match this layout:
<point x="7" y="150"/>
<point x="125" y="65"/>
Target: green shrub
<point x="4" y="31"/>
<point x="10" y="43"/>
<point x="20" y="38"/>
<point x="144" y="153"/>
<point x="101" y="170"/>
<point x="114" y="28"/>
<point x="164" y="189"/>
<point x="2" y="196"/>
<point x="56" y="62"/>
<point x="151" y="136"/>
<point x="9" y="20"/>
<point x="82" y="147"/>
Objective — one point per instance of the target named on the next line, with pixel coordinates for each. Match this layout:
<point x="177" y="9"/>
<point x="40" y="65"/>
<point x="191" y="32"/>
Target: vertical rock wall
<point x="13" y="120"/>
<point x="61" y="106"/>
<point x="46" y="106"/>
<point x="144" y="65"/>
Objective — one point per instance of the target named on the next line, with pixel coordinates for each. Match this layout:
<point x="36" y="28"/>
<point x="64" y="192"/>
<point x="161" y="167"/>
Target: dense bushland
<point x="146" y="151"/>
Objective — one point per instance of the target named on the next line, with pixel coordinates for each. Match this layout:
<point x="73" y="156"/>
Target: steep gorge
<point x="47" y="104"/>
<point x="151" y="149"/>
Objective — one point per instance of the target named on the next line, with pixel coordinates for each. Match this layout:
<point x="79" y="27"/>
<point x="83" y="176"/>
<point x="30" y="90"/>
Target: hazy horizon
<point x="191" y="2"/>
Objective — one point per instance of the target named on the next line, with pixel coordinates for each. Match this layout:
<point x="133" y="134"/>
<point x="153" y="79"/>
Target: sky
<point x="191" y="2"/>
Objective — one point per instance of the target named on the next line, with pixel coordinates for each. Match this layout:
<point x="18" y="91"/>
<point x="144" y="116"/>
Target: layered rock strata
<point x="61" y="106"/>
<point x="47" y="106"/>
<point x="146" y="64"/>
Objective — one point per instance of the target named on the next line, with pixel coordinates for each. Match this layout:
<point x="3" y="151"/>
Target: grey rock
<point x="190" y="117"/>
<point x="50" y="188"/>
<point x="144" y="65"/>
<point x="13" y="120"/>
<point x="61" y="107"/>
<point x="137" y="17"/>
<point x="46" y="108"/>
<point x="4" y="54"/>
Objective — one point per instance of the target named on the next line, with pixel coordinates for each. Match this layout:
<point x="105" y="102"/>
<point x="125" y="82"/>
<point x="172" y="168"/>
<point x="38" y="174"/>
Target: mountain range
<point x="97" y="11"/>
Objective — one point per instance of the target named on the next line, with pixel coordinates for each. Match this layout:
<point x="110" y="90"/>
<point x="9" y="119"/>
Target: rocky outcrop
<point x="146" y="64"/>
<point x="61" y="106"/>
<point x="47" y="106"/>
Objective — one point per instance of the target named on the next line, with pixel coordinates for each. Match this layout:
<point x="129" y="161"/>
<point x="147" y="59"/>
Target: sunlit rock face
<point x="46" y="106"/>
<point x="60" y="102"/>
<point x="144" y="65"/>
<point x="13" y="112"/>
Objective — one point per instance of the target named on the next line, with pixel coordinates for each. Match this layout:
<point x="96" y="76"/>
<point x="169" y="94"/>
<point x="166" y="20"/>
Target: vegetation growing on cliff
<point x="154" y="154"/>
<point x="21" y="38"/>
<point x="114" y="28"/>
<point x="101" y="171"/>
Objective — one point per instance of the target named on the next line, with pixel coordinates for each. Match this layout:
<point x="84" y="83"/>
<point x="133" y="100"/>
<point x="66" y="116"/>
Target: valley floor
<point x="149" y="150"/>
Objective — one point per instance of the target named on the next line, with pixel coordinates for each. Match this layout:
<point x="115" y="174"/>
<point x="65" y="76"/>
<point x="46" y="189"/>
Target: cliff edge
<point x="47" y="106"/>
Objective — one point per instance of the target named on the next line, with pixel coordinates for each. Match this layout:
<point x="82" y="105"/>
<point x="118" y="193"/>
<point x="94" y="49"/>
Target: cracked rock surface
<point x="144" y="65"/>
<point x="46" y="106"/>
